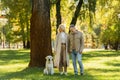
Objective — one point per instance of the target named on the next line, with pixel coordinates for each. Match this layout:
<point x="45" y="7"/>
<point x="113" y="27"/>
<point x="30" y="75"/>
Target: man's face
<point x="72" y="29"/>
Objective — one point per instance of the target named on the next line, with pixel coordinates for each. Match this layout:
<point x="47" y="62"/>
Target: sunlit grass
<point x="98" y="65"/>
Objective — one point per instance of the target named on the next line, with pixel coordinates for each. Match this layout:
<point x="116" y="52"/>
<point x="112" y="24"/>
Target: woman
<point x="61" y="55"/>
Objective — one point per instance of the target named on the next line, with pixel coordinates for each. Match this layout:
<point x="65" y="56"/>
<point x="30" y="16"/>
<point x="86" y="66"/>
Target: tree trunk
<point x="22" y="30"/>
<point x="77" y="11"/>
<point x="116" y="45"/>
<point x="9" y="45"/>
<point x="40" y="33"/>
<point x="24" y="44"/>
<point x="58" y="14"/>
<point x="28" y="32"/>
<point x="28" y="44"/>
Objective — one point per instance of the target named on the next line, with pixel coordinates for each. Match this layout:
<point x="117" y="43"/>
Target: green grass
<point x="99" y="65"/>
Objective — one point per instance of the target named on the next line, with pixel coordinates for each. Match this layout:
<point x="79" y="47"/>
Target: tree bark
<point x="58" y="14"/>
<point x="77" y="11"/>
<point x="40" y="33"/>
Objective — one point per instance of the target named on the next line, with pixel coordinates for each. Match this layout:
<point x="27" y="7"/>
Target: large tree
<point x="40" y="33"/>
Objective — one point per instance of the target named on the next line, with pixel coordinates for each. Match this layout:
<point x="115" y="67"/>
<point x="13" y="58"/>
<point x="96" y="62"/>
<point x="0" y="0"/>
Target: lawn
<point x="99" y="65"/>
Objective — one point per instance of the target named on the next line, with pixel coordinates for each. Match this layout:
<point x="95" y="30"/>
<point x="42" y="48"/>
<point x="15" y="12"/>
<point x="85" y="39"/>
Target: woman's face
<point x="60" y="30"/>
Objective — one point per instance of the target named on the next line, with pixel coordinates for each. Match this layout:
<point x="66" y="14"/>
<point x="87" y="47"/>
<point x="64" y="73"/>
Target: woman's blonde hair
<point x="62" y="27"/>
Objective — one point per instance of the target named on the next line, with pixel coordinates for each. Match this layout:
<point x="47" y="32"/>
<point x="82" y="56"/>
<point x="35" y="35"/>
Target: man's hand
<point x="80" y="52"/>
<point x="54" y="52"/>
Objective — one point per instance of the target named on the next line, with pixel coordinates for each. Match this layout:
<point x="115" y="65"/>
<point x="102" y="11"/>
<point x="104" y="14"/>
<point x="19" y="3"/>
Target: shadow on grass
<point x="101" y="70"/>
<point x="37" y="74"/>
<point x="25" y="73"/>
<point x="113" y="63"/>
<point x="101" y="54"/>
<point x="8" y="56"/>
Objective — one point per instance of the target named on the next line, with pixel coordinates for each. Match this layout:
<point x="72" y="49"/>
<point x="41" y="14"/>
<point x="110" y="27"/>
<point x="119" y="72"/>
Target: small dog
<point x="49" y="65"/>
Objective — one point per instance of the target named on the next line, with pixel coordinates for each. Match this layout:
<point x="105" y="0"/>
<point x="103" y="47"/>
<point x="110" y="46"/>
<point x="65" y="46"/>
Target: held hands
<point x="54" y="52"/>
<point x="69" y="52"/>
<point x="80" y="52"/>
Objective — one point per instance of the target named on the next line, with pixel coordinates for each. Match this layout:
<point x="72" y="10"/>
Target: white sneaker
<point x="61" y="73"/>
<point x="65" y="73"/>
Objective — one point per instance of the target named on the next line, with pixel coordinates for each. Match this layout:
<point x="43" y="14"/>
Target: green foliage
<point x="111" y="33"/>
<point x="18" y="13"/>
<point x="98" y="18"/>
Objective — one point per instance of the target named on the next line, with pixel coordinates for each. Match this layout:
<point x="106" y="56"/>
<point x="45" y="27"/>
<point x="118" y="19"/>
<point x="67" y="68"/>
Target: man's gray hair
<point x="72" y="25"/>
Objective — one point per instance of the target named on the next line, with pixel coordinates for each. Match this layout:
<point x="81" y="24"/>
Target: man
<point x="75" y="47"/>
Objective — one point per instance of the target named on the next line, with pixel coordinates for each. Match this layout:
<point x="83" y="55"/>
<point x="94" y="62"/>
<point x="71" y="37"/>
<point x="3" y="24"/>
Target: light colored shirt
<point x="63" y="37"/>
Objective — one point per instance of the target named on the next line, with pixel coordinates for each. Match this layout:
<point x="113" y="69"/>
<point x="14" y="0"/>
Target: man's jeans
<point x="77" y="56"/>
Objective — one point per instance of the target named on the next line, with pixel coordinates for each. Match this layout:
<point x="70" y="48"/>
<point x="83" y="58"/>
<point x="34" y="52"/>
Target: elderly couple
<point x="72" y="44"/>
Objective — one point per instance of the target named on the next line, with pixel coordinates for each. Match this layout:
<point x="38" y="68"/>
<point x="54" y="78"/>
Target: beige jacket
<point x="79" y="42"/>
<point x="58" y="50"/>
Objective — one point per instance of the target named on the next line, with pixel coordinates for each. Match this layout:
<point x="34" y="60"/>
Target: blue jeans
<point x="77" y="56"/>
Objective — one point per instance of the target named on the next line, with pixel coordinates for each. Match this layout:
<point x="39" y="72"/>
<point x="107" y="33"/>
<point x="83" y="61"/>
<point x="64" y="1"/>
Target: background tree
<point x="110" y="26"/>
<point x="58" y="14"/>
<point x="19" y="13"/>
<point x="77" y="11"/>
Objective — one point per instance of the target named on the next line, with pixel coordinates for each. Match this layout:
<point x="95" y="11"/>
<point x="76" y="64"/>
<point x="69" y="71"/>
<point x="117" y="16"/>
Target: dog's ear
<point x="46" y="57"/>
<point x="51" y="57"/>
